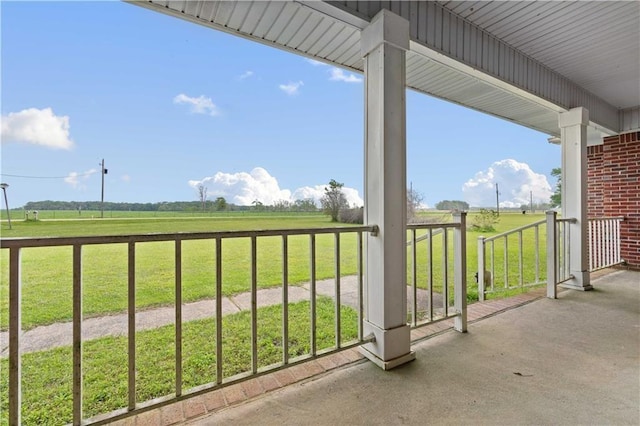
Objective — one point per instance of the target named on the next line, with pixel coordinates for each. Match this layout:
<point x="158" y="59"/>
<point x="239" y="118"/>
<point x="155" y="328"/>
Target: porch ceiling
<point x="521" y="61"/>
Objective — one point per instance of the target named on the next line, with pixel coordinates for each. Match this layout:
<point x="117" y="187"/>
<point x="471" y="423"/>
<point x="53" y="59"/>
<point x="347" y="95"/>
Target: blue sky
<point x="170" y="105"/>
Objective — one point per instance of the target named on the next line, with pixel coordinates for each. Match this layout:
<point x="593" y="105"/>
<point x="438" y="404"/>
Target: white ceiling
<point x="595" y="44"/>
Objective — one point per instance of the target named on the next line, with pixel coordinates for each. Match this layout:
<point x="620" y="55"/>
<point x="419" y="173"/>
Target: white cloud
<point x="339" y="75"/>
<point x="75" y="179"/>
<point x="199" y="105"/>
<point x="516" y="184"/>
<point x="244" y="188"/>
<point x="314" y="62"/>
<point x="125" y="178"/>
<point x="317" y="192"/>
<point x="291" y="88"/>
<point x="245" y="75"/>
<point x="37" y="127"/>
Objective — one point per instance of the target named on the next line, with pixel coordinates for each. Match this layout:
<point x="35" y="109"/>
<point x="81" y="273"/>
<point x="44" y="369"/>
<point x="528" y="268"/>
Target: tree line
<point x="218" y="205"/>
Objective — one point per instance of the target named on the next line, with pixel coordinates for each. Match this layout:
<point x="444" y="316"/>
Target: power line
<point x="49" y="177"/>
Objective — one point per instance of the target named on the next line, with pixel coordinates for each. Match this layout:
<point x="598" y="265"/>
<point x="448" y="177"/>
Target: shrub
<point x="354" y="215"/>
<point x="485" y="220"/>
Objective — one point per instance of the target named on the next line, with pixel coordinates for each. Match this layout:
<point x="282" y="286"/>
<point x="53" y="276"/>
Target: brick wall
<point x="614" y="188"/>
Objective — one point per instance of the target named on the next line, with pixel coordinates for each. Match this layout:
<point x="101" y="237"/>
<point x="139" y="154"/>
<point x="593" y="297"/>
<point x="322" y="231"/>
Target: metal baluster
<point x="312" y="301"/>
<point x="219" y="311"/>
<point x="414" y="279"/>
<point x="338" y="327"/>
<point x="285" y="300"/>
<point x="131" y="314"/>
<point x="178" y="314"/>
<point x="15" y="329"/>
<point x="77" y="334"/>
<point x="254" y="305"/>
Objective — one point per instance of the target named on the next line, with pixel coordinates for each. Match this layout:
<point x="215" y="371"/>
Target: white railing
<point x="502" y="267"/>
<point x="16" y="246"/>
<point x="603" y="246"/>
<point x="437" y="277"/>
<point x="558" y="252"/>
<point x="604" y="251"/>
<point x="604" y="242"/>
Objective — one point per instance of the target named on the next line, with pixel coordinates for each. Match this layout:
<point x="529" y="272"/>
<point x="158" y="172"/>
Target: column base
<point x="388" y="365"/>
<point x="581" y="281"/>
<point x="576" y="286"/>
<point x="391" y="348"/>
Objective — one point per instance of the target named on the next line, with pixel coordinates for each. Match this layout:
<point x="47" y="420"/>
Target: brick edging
<point x="209" y="403"/>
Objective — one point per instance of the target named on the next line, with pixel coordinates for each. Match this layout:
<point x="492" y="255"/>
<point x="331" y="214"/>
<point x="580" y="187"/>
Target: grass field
<point x="47" y="393"/>
<point x="47" y="272"/>
<point x="46" y="298"/>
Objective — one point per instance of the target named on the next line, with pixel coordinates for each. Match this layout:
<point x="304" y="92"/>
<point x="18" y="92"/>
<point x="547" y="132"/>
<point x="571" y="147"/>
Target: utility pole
<point x="531" y="200"/>
<point x="497" y="200"/>
<point x="4" y="187"/>
<point x="104" y="172"/>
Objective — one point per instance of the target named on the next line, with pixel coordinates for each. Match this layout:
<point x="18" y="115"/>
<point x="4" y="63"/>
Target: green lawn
<point x="46" y="298"/>
<point x="47" y="272"/>
<point x="47" y="375"/>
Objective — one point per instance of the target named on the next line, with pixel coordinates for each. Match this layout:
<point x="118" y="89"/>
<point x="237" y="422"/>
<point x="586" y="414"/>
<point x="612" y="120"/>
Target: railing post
<point x="460" y="271"/>
<point x="481" y="268"/>
<point x="552" y="255"/>
<point x="15" y="374"/>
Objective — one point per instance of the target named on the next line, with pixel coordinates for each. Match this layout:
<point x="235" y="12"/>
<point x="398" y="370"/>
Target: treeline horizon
<point x="218" y="205"/>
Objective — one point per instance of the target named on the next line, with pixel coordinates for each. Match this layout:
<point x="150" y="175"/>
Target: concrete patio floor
<point x="574" y="360"/>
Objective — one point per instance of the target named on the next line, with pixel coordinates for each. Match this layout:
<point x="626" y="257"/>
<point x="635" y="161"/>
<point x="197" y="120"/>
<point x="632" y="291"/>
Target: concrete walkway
<point x="571" y="361"/>
<point x="61" y="334"/>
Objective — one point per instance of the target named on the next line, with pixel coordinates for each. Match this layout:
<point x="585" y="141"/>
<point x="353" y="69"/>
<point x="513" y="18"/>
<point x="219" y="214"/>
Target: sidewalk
<point x="61" y="334"/>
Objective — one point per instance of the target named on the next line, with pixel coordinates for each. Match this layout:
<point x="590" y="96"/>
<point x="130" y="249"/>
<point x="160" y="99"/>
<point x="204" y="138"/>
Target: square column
<point x="573" y="133"/>
<point x="383" y="46"/>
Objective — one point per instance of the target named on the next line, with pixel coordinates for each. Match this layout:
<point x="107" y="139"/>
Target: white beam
<point x="383" y="45"/>
<point x="573" y="134"/>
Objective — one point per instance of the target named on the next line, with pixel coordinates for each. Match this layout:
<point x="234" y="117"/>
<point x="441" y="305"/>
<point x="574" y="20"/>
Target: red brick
<point x="128" y="421"/>
<point x="613" y="174"/>
<point x="269" y="382"/>
<point x="149" y="418"/>
<point x="214" y="400"/>
<point x="306" y="370"/>
<point x="252" y="388"/>
<point x="193" y="407"/>
<point x="284" y="377"/>
<point x="353" y="355"/>
<point x="234" y="394"/>
<point x="328" y="362"/>
<point x="171" y="414"/>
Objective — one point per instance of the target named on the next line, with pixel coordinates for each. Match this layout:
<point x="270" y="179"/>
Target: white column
<point x="383" y="46"/>
<point x="573" y="133"/>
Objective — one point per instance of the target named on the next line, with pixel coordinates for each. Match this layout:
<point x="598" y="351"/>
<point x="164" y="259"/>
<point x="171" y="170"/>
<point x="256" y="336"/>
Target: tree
<point x="202" y="195"/>
<point x="282" y="205"/>
<point x="257" y="205"/>
<point x="556" y="197"/>
<point x="334" y="200"/>
<point x="220" y="204"/>
<point x="414" y="200"/>
<point x="305" y="205"/>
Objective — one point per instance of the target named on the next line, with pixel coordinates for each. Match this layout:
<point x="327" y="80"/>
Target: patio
<point x="574" y="360"/>
<point x="525" y="360"/>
